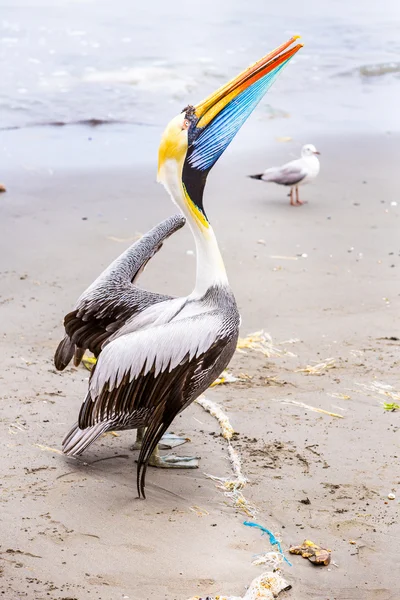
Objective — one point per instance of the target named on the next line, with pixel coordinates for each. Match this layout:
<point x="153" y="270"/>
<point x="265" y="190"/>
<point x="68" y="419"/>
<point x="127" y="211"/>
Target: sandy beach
<point x="322" y="280"/>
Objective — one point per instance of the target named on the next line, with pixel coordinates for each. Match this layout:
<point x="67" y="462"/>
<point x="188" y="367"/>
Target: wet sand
<point x="325" y="274"/>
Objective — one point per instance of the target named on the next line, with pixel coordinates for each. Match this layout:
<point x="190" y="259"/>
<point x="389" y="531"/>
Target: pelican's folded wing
<point x="145" y="378"/>
<point x="113" y="298"/>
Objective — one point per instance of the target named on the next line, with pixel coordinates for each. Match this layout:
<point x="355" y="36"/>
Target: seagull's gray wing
<point x="145" y="378"/>
<point x="113" y="298"/>
<point x="289" y="174"/>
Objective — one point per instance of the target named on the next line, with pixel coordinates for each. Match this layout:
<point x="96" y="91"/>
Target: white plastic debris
<point x="261" y="341"/>
<point x="266" y="587"/>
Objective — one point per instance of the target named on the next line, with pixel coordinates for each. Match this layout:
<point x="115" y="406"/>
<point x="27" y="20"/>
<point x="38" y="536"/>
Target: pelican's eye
<point x="185" y="124"/>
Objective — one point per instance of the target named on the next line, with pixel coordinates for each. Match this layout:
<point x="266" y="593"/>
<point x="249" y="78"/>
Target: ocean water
<point x="134" y="65"/>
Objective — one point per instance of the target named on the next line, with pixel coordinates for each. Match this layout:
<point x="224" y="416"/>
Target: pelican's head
<point x="195" y="139"/>
<point x="309" y="150"/>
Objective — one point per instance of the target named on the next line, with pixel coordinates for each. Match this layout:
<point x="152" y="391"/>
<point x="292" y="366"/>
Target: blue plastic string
<point x="272" y="539"/>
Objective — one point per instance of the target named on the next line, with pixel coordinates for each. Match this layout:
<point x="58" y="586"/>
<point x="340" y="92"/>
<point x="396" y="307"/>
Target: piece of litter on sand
<point x="314" y="553"/>
<point x="272" y="539"/>
<point x="48" y="449"/>
<point x="383" y="389"/>
<point x="260" y="341"/>
<point x="284" y="257"/>
<point x="112" y="238"/>
<point x="339" y="395"/>
<point x="14" y="428"/>
<point x="2" y="188"/>
<point x="318" y="368"/>
<point x="113" y="433"/>
<point x="273" y="559"/>
<point x="391" y="496"/>
<point x="200" y="512"/>
<point x="392" y="406"/>
<point x="313" y="408"/>
<point x="225" y="377"/>
<point x="89" y="361"/>
<point x="265" y="587"/>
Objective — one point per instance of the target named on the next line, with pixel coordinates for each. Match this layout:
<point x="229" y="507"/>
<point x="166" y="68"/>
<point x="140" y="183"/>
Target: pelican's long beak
<point x="218" y="118"/>
<point x="213" y="123"/>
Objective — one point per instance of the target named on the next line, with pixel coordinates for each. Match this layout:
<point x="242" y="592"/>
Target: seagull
<point x="294" y="173"/>
<point x="156" y="354"/>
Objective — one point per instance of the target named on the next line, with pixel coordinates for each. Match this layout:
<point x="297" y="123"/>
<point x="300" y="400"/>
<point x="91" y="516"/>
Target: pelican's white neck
<point x="210" y="268"/>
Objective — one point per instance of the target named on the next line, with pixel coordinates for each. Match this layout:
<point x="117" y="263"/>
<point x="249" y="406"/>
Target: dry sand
<point x="73" y="529"/>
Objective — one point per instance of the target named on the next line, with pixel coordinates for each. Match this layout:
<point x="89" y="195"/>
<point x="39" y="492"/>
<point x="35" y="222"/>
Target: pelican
<point x="156" y="354"/>
<point x="294" y="173"/>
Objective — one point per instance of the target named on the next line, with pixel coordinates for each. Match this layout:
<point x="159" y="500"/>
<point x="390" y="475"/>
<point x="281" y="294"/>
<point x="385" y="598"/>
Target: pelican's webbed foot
<point x="171" y="461"/>
<point x="167" y="442"/>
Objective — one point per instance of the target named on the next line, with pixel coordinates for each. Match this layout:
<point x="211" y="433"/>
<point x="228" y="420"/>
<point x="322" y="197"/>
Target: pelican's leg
<point x="292" y="203"/>
<point x="298" y="201"/>
<point x="139" y="438"/>
<point x="167" y="442"/>
<point x="170" y="461"/>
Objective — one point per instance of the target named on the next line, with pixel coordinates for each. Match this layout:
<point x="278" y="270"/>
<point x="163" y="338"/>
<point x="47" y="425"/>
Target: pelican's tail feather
<point x="77" y="440"/>
<point x="64" y="353"/>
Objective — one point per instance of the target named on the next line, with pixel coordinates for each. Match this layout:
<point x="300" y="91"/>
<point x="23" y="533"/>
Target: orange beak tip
<point x="296" y="37"/>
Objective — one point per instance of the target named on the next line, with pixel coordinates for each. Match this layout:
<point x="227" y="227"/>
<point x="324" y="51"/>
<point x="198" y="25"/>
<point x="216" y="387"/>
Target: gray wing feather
<point x="128" y="266"/>
<point x="112" y="299"/>
<point x="286" y="175"/>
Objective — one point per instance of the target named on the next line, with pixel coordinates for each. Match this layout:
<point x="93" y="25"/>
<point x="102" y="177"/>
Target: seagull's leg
<point x="298" y="201"/>
<point x="170" y="461"/>
<point x="167" y="442"/>
<point x="292" y="203"/>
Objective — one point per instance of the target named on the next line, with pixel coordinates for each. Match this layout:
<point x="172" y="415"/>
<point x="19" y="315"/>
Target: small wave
<point x="379" y="69"/>
<point x="150" y="79"/>
<point x="373" y="70"/>
<point x="93" y="122"/>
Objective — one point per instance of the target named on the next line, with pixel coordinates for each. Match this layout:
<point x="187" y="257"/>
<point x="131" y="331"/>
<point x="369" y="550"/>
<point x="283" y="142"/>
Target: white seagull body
<point x="294" y="173"/>
<point x="156" y="354"/>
